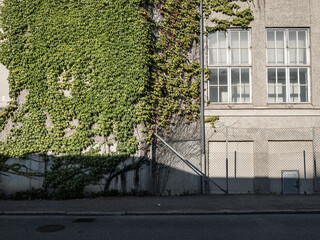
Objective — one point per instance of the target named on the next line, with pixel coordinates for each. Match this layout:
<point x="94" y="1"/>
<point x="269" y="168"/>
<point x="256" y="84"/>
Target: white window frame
<point x="287" y="66"/>
<point x="230" y="66"/>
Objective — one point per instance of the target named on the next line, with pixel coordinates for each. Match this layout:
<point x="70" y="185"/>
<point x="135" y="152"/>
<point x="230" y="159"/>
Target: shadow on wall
<point x="98" y="174"/>
<point x="74" y="176"/>
<point x="173" y="181"/>
<point x="261" y="185"/>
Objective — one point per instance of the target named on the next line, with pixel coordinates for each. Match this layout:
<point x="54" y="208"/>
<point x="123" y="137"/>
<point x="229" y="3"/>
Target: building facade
<point x="264" y="86"/>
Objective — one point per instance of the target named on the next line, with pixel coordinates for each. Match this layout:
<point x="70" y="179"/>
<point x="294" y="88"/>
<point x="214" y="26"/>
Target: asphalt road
<point x="252" y="226"/>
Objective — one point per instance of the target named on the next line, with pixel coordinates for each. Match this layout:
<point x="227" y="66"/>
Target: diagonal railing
<point x="189" y="164"/>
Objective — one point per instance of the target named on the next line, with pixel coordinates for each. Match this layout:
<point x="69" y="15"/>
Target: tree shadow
<point x="66" y="176"/>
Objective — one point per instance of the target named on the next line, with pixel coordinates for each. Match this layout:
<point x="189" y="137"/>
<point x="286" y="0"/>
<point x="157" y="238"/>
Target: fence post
<point x="203" y="139"/>
<point x="315" y="185"/>
<point x="227" y="167"/>
<point x="235" y="164"/>
<point x="304" y="164"/>
<point x="152" y="159"/>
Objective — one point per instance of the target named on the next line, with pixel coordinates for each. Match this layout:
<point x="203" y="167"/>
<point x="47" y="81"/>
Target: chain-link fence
<point x="241" y="161"/>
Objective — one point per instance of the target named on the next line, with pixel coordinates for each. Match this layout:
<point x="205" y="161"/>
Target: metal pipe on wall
<point x="203" y="144"/>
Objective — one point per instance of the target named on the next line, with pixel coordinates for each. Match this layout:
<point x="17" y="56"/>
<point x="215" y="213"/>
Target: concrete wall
<point x="299" y="158"/>
<point x="132" y="181"/>
<point x="171" y="176"/>
<point x="240" y="166"/>
<point x="11" y="183"/>
<point x="262" y="154"/>
<point x="4" y="86"/>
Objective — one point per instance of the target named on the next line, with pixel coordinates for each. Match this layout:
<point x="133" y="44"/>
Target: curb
<point x="166" y="213"/>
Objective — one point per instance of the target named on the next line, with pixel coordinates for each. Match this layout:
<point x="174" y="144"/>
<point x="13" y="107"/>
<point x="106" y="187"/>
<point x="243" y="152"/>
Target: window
<point x="229" y="61"/>
<point x="288" y="65"/>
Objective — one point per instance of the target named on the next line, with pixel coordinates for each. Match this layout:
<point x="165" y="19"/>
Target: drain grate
<point x="50" y="228"/>
<point x="85" y="220"/>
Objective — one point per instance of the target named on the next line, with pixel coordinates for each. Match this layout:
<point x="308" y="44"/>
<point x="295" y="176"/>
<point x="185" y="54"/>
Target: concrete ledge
<point x="285" y="112"/>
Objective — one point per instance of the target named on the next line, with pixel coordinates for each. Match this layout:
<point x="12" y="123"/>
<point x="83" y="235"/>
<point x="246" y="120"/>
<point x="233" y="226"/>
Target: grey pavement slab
<point x="196" y="204"/>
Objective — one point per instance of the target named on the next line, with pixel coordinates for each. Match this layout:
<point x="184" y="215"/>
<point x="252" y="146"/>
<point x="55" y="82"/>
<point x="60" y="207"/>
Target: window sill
<point x="229" y="106"/>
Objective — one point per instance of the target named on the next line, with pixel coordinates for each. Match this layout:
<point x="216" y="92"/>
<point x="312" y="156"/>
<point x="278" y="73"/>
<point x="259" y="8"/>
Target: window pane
<point x="214" y="94"/>
<point x="235" y="78"/>
<point x="294" y="93"/>
<point x="223" y="94"/>
<point x="303" y="74"/>
<point x="293" y="56"/>
<point x="222" y="39"/>
<point x="281" y="93"/>
<point x="293" y="75"/>
<point x="272" y="75"/>
<point x="228" y="83"/>
<point x="281" y="76"/>
<point x="235" y="56"/>
<point x="303" y="56"/>
<point x="245" y="93"/>
<point x="280" y="56"/>
<point x="244" y="56"/>
<point x="272" y="93"/>
<point x="213" y="77"/>
<point x="302" y="41"/>
<point x="292" y="39"/>
<point x="271" y="56"/>
<point x="304" y="93"/>
<point x="270" y="39"/>
<point x="235" y="39"/>
<point x="213" y="56"/>
<point x="223" y="77"/>
<point x="244" y="43"/>
<point x="235" y="93"/>
<point x="280" y="39"/>
<point x="213" y="40"/>
<point x="222" y="56"/>
<point x="245" y="75"/>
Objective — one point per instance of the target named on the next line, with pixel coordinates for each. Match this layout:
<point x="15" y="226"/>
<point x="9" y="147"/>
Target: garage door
<point x="287" y="158"/>
<point x="239" y="167"/>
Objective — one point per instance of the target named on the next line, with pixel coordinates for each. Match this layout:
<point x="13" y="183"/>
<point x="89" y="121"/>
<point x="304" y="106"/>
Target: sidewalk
<point x="198" y="204"/>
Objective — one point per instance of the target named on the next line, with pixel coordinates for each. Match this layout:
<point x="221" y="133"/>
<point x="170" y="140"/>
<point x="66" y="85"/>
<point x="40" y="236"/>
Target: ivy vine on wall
<point x="96" y="69"/>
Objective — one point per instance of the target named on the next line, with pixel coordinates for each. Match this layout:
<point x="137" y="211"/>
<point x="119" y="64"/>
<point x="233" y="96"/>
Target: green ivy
<point x="175" y="75"/>
<point x="236" y="15"/>
<point x="6" y="114"/>
<point x="69" y="175"/>
<point x="211" y="120"/>
<point x="99" y="51"/>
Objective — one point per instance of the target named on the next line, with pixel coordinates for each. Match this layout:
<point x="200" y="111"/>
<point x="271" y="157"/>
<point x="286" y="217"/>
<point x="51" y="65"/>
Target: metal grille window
<point x="288" y="65"/>
<point x="229" y="60"/>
